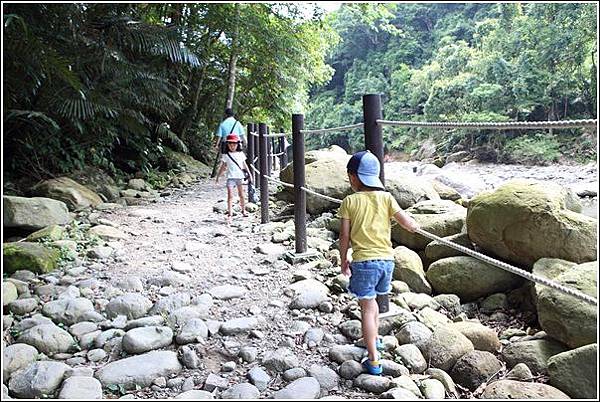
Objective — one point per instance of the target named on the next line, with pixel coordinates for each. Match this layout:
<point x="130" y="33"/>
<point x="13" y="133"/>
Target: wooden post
<point x="373" y="133"/>
<point x="256" y="153"/>
<point x="250" y="152"/>
<point x="299" y="181"/>
<point x="264" y="185"/>
<point x="269" y="151"/>
<point x="374" y="143"/>
<point x="283" y="156"/>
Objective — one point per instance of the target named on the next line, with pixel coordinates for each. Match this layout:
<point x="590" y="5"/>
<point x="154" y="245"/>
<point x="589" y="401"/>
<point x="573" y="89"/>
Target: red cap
<point x="232" y="138"/>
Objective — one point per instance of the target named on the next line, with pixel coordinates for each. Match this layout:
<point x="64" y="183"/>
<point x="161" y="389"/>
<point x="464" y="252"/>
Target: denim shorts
<point x="371" y="278"/>
<point x="231" y="183"/>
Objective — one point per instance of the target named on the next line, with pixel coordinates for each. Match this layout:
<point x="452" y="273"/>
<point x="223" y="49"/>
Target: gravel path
<point x="183" y="228"/>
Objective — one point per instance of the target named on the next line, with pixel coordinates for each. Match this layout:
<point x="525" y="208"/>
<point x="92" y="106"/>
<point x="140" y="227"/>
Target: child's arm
<point x="344" y="245"/>
<point x="406" y="221"/>
<point x="221" y="170"/>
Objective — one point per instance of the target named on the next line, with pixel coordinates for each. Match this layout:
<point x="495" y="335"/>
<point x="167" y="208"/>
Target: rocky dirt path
<point x="180" y="244"/>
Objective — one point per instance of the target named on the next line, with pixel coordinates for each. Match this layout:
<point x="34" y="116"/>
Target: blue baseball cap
<point x="366" y="166"/>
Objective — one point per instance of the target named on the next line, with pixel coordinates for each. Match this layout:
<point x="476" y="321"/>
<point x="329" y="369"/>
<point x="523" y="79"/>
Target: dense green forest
<point x="464" y="62"/>
<point x="116" y="85"/>
<point x="113" y="85"/>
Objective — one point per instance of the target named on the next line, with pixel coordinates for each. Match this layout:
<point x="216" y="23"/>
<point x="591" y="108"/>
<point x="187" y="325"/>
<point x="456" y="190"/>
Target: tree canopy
<point x="459" y="62"/>
<point x="112" y="84"/>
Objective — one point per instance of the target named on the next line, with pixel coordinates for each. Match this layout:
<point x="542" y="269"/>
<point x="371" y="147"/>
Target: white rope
<point x="253" y="133"/>
<point x="527" y="275"/>
<point x="278" y="154"/>
<point x="284" y="184"/>
<point x="272" y="178"/>
<point x="321" y="195"/>
<point x="525" y="125"/>
<point x="328" y="130"/>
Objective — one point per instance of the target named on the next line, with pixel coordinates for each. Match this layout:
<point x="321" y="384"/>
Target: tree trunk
<point x="233" y="59"/>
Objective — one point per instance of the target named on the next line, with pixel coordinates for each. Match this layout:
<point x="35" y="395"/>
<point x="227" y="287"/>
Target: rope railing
<point x="276" y="135"/>
<point x="507" y="267"/>
<point x="270" y="178"/>
<point x="328" y="130"/>
<point x="500" y="264"/>
<point x="253" y="133"/>
<point x="524" y="125"/>
<point x="277" y="154"/>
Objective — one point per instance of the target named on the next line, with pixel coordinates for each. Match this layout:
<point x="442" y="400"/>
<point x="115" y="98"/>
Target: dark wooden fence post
<point x="273" y="157"/>
<point x="299" y="181"/>
<point x="269" y="159"/>
<point x="373" y="133"/>
<point x="264" y="185"/>
<point x="256" y="153"/>
<point x="250" y="152"/>
<point x="374" y="143"/>
<point x="283" y="156"/>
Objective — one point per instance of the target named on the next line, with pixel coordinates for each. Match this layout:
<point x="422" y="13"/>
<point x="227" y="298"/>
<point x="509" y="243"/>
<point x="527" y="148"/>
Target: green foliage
<point x="538" y="148"/>
<point x="461" y="62"/>
<point x="111" y="84"/>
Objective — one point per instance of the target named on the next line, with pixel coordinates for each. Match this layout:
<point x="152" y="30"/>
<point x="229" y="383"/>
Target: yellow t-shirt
<point x="370" y="213"/>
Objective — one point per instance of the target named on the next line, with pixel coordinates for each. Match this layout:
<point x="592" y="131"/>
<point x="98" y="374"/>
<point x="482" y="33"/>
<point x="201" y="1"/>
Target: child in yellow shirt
<point x="366" y="216"/>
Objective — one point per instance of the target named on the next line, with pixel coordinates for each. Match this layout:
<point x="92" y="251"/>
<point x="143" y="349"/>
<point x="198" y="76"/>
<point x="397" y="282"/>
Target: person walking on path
<point x="234" y="160"/>
<point x="366" y="216"/>
<point x="228" y="126"/>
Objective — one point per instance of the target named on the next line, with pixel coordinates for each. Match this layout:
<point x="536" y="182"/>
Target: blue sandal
<point x="372" y="367"/>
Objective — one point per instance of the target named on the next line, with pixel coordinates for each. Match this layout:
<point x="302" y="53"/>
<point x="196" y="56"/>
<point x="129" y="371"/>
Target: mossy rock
<point x="525" y="220"/>
<point x="33" y="257"/>
<point x="52" y="232"/>
<point x="186" y="163"/>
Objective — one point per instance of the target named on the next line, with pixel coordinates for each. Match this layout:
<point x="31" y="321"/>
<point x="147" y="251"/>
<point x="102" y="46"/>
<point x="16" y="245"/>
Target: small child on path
<point x="234" y="160"/>
<point x="366" y="216"/>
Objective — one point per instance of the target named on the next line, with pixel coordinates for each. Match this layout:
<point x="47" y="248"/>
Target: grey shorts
<point x="231" y="183"/>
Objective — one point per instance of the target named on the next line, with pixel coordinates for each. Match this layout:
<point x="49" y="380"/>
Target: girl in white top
<point x="234" y="161"/>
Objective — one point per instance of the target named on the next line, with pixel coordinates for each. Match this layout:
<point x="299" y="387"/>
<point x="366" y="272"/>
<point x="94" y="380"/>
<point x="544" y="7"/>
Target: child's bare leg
<point x="369" y="312"/>
<point x="242" y="200"/>
<point x="229" y="203"/>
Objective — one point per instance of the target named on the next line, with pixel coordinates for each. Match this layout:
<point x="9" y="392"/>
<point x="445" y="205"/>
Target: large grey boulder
<point x="409" y="191"/>
<point x="132" y="305"/>
<point x="67" y="310"/>
<point x="575" y="372"/>
<point x="436" y="250"/>
<point x="475" y="368"/>
<point x="564" y="317"/>
<point x="445" y="346"/>
<point x="48" y="339"/>
<point x="440" y="217"/>
<point x="482" y="337"/>
<point x="75" y="195"/>
<point x="519" y="390"/>
<point x="302" y="388"/>
<point x="80" y="387"/>
<point x="534" y="353"/>
<point x="9" y="293"/>
<point x="318" y="178"/>
<point x="525" y="220"/>
<point x="16" y="357"/>
<point x="144" y="339"/>
<point x="139" y="370"/>
<point x="469" y="278"/>
<point x="408" y="268"/>
<point x="33" y="213"/>
<point x="38" y="380"/>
